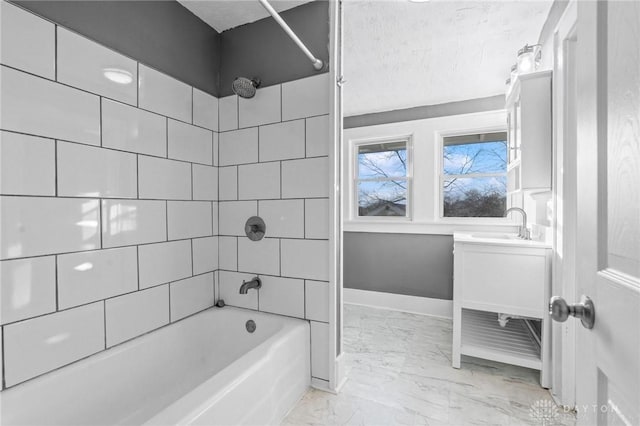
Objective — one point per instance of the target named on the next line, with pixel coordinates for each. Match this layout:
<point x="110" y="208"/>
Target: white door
<point x="608" y="202"/>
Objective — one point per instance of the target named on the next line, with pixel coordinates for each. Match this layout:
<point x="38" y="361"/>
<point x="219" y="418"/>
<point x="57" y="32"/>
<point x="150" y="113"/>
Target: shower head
<point x="245" y="87"/>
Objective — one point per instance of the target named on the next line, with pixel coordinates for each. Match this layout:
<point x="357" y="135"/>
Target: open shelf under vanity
<point x="517" y="343"/>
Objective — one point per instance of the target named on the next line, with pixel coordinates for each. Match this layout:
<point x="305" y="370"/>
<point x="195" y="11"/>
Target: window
<point x="474" y="175"/>
<point x="381" y="180"/>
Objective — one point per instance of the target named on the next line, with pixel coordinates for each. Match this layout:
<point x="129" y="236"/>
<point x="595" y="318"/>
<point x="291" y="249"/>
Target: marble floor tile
<point x="399" y="372"/>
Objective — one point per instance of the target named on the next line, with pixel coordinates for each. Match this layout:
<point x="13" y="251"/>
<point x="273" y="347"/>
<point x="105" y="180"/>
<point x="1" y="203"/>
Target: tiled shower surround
<point x="123" y="205"/>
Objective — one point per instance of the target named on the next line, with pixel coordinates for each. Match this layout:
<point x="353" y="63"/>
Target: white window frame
<point x="440" y="177"/>
<point x="353" y="164"/>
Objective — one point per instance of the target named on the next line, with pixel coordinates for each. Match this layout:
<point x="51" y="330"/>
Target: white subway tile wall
<point x="163" y="179"/>
<point x="28" y="288"/>
<point x="38" y="345"/>
<point x="95" y="275"/>
<point x="27" y="165"/>
<point x="238" y="147"/>
<point x="320" y="350"/>
<point x="316" y="218"/>
<point x="233" y="216"/>
<point x="164" y="262"/>
<point x="272" y="300"/>
<point x="286" y="218"/>
<point x="306" y="97"/>
<point x="191" y="295"/>
<point x="317" y="133"/>
<point x="263" y="108"/>
<point x="277" y="166"/>
<point x="34" y="226"/>
<point x="130" y="222"/>
<point x="259" y="257"/>
<point x="26" y="41"/>
<point x="189" y="219"/>
<point x="259" y="181"/>
<point x="205" y="182"/>
<point x="190" y="143"/>
<point x="229" y="284"/>
<point x="136" y="313"/>
<point x="228" y="113"/>
<point x="81" y="64"/>
<point x="165" y="95"/>
<point x="282" y="141"/>
<point x="41" y="107"/>
<point x="131" y="129"/>
<point x="88" y="171"/>
<point x="205" y="110"/>
<point x="228" y="190"/>
<point x="205" y="254"/>
<point x="115" y="217"/>
<point x="228" y="253"/>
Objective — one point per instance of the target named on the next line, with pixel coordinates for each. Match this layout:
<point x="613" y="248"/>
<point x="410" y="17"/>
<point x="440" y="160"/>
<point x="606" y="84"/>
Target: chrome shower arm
<point x="317" y="63"/>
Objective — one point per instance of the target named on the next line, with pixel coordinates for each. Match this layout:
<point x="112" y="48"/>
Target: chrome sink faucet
<point x="256" y="283"/>
<point x="523" y="231"/>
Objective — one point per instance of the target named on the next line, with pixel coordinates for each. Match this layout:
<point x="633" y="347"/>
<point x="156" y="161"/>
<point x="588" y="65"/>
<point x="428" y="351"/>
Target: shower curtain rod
<point x="317" y="63"/>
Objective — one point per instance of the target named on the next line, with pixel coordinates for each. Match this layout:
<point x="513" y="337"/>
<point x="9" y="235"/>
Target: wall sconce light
<point x="528" y="59"/>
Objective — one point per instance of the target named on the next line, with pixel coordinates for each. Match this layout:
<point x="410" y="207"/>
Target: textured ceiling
<point x="225" y="14"/>
<point x="399" y="54"/>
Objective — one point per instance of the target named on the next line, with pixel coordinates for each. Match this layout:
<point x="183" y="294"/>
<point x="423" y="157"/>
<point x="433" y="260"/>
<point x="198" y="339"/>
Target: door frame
<point x="564" y="202"/>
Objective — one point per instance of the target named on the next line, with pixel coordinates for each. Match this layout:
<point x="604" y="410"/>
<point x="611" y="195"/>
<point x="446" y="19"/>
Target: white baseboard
<point x="341" y="375"/>
<point x="399" y="302"/>
<point x="321" y="384"/>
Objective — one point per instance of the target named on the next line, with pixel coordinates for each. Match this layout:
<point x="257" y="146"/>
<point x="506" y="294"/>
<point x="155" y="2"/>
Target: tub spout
<point x="256" y="283"/>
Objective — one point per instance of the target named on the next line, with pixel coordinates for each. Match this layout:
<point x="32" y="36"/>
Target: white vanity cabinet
<point x="528" y="106"/>
<point x="499" y="274"/>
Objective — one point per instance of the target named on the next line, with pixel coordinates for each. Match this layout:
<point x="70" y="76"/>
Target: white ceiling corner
<point x="226" y="14"/>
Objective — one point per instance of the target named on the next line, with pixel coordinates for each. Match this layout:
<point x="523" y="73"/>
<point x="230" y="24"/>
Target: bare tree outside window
<point x="381" y="179"/>
<point x="474" y="175"/>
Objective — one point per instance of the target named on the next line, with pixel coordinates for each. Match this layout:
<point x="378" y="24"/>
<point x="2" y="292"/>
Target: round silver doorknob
<point x="560" y="310"/>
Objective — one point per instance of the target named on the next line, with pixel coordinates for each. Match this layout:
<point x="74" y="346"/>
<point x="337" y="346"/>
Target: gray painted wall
<point x="411" y="264"/>
<point x="262" y="49"/>
<point x="491" y="103"/>
<point x="161" y="34"/>
<point x="169" y="38"/>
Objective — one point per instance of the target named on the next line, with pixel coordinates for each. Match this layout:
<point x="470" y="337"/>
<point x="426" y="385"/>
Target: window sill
<point x="443" y="227"/>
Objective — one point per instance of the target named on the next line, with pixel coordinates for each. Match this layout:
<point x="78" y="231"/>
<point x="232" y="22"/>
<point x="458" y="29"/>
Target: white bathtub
<point x="204" y="370"/>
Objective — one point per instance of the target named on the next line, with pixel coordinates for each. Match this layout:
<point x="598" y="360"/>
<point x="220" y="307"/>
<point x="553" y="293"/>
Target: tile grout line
<point x="84" y="304"/>
<point x="169" y="291"/>
<point x="100" y="221"/>
<point x="108" y="148"/>
<point x="138" y="84"/>
<point x="55" y="52"/>
<point x="4" y="383"/>
<point x="104" y="319"/>
<point x="119" y="247"/>
<point x="55" y="167"/>
<point x="146" y="110"/>
<point x="55" y="271"/>
<point x="100" y="123"/>
<point x="138" y="265"/>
